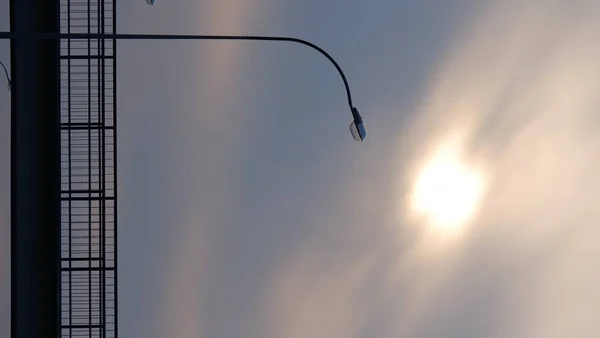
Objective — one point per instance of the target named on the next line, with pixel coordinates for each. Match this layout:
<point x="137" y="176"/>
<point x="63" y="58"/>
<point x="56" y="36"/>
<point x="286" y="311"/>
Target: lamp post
<point x="357" y="127"/>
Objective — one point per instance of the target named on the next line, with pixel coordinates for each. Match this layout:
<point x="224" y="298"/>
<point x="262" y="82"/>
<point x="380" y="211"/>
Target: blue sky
<point x="247" y="210"/>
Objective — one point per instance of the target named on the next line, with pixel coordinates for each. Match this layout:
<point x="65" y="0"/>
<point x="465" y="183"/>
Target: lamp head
<point x="357" y="127"/>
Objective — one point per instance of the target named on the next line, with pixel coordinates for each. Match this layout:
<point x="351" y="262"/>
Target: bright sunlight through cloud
<point x="447" y="190"/>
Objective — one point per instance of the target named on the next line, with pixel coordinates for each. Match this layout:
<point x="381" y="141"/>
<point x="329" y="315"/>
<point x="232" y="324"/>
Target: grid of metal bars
<point x="88" y="171"/>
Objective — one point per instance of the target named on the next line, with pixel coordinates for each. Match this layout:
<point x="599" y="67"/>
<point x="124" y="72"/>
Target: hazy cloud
<point x="520" y="86"/>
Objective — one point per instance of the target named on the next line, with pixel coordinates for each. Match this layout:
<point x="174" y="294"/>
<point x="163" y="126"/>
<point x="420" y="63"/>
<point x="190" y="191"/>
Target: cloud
<point x="207" y="141"/>
<point x="520" y="85"/>
<point x="314" y="297"/>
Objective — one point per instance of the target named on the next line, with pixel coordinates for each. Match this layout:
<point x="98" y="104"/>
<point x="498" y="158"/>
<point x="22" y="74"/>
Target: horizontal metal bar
<point x="82" y="191"/>
<point x="86" y="57"/>
<point x="81" y="259"/>
<point x="106" y="268"/>
<point x="82" y="326"/>
<point x="63" y="127"/>
<point x="89" y="198"/>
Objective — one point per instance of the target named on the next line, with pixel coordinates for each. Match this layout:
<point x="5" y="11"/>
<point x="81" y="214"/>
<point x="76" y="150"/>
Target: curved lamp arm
<point x="6" y="73"/>
<point x="358" y="128"/>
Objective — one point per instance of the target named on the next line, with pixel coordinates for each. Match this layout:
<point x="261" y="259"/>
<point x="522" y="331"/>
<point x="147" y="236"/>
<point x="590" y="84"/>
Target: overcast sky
<point x="247" y="210"/>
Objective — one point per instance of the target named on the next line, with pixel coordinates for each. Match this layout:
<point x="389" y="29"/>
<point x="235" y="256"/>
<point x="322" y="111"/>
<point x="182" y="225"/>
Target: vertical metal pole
<point x="35" y="172"/>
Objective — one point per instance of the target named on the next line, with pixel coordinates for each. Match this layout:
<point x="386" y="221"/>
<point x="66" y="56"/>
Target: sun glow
<point x="447" y="191"/>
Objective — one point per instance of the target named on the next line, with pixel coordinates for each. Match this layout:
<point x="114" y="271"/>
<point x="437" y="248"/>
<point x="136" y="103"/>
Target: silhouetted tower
<point x="64" y="215"/>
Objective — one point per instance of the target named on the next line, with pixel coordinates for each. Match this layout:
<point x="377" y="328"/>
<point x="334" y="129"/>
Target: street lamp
<point x="357" y="127"/>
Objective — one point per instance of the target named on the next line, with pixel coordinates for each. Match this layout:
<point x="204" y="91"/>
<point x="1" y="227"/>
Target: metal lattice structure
<point x="88" y="171"/>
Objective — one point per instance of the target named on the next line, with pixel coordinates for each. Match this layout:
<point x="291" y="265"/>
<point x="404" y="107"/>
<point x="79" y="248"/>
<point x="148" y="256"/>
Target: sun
<point x="447" y="191"/>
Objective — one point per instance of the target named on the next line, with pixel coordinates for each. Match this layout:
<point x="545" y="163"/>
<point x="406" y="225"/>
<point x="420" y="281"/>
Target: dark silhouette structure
<point x="63" y="171"/>
<point x="64" y="163"/>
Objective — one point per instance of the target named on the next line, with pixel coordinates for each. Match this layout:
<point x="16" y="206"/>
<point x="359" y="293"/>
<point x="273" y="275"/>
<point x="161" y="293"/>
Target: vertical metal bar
<point x="89" y="170"/>
<point x="115" y="171"/>
<point x="70" y="179"/>
<point x="58" y="240"/>
<point x="102" y="187"/>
